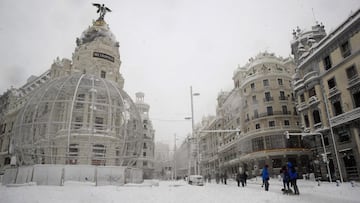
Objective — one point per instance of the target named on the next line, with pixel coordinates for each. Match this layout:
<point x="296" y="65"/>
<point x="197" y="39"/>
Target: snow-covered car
<point x="196" y="180"/>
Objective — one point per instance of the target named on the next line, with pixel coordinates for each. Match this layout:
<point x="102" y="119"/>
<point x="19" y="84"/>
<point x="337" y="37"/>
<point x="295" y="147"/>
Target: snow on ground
<point x="180" y="192"/>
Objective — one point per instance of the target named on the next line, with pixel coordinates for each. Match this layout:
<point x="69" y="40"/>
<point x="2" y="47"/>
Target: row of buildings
<point x="77" y="112"/>
<point x="280" y="109"/>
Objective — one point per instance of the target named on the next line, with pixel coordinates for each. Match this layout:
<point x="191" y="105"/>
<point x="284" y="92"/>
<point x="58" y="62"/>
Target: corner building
<point x="327" y="87"/>
<point x="77" y="112"/>
<point x="264" y="107"/>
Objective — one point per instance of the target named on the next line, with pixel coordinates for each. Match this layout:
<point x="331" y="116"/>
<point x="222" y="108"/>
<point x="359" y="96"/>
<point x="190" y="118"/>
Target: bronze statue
<point x="102" y="10"/>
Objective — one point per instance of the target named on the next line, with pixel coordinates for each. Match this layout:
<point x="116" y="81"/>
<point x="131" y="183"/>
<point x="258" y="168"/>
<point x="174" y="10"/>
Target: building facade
<point x="77" y="112"/>
<point x="251" y="120"/>
<point x="327" y="88"/>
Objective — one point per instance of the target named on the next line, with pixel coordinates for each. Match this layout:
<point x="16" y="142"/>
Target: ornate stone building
<point x="327" y="88"/>
<point x="77" y="112"/>
<point x="252" y="118"/>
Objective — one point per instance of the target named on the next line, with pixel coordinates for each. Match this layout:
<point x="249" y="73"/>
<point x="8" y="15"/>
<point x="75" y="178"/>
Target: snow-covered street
<point x="180" y="192"/>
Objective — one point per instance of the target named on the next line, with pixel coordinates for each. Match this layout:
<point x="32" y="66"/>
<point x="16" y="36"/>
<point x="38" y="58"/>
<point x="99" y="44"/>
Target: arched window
<point x="316" y="116"/>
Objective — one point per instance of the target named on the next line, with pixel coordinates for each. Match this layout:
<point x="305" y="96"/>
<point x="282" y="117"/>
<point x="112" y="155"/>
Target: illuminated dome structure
<point x="81" y="115"/>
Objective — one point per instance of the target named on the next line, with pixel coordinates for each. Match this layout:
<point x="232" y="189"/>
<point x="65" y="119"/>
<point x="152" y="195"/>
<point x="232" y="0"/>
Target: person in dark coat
<point x="293" y="177"/>
<point x="243" y="178"/>
<point x="225" y="177"/>
<point x="285" y="178"/>
<point x="238" y="179"/>
<point x="265" y="177"/>
<point x="217" y="178"/>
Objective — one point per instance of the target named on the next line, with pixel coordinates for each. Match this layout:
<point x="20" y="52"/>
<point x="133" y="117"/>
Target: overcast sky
<point x="166" y="46"/>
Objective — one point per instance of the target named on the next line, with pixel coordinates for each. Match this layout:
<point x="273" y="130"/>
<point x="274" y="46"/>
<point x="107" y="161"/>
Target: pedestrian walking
<point x="293" y="178"/>
<point x="265" y="177"/>
<point x="225" y="178"/>
<point x="286" y="179"/>
<point x="217" y="178"/>
<point x="238" y="179"/>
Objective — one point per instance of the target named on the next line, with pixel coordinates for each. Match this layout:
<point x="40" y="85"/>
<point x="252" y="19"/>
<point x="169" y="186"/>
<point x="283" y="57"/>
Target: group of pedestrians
<point x="241" y="178"/>
<point x="221" y="177"/>
<point x="289" y="176"/>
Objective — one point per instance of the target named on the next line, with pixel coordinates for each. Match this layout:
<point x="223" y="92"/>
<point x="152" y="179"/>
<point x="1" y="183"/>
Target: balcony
<point x="300" y="107"/>
<point x="313" y="100"/>
<point x="345" y="117"/>
<point x="283" y="98"/>
<point x="311" y="76"/>
<point x="353" y="81"/>
<point x="268" y="99"/>
<point x="333" y="91"/>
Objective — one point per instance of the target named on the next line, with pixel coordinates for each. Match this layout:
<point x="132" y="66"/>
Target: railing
<point x="268" y="99"/>
<point x="353" y="81"/>
<point x="333" y="91"/>
<point x="283" y="98"/>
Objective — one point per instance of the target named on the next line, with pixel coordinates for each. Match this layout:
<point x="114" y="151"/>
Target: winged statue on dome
<point x="102" y="9"/>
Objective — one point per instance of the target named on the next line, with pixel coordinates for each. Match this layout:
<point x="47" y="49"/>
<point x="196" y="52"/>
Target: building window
<point x="337" y="108"/>
<point x="282" y="95"/>
<point x="78" y="122"/>
<point x="345" y="49"/>
<point x="257" y="126"/>
<point x="268" y="96"/>
<point x="257" y="144"/>
<point x="103" y="74"/>
<point x="252" y="85"/>
<point x="331" y="83"/>
<point x="99" y="121"/>
<point x="144" y="154"/>
<point x="306" y="120"/>
<point x="280" y="81"/>
<point x="256" y="114"/>
<point x="327" y="62"/>
<point x="351" y="72"/>
<point x="99" y="152"/>
<point x="266" y="82"/>
<point x="271" y="124"/>
<point x="145" y="163"/>
<point x="312" y="92"/>
<point x="286" y="122"/>
<point x="73" y="152"/>
<point x="254" y="99"/>
<point x="316" y="116"/>
<point x="144" y="147"/>
<point x="343" y="134"/>
<point x="81" y="97"/>
<point x="284" y="110"/>
<point x="356" y="97"/>
<point x="276" y="163"/>
<point x="269" y="110"/>
<point x="302" y="98"/>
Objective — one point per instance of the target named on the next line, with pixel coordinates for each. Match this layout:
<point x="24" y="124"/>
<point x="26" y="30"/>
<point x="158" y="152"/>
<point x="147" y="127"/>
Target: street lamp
<point x="287" y="134"/>
<point x="197" y="165"/>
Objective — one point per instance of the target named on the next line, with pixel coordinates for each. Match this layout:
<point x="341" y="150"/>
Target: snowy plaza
<point x="179" y="192"/>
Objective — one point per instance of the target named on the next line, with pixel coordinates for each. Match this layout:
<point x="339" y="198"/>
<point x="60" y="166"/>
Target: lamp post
<point x="197" y="165"/>
<point x="287" y="134"/>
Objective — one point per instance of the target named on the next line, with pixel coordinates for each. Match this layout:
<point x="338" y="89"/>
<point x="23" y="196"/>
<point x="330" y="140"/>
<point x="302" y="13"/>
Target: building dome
<point x="99" y="30"/>
<point x="78" y="119"/>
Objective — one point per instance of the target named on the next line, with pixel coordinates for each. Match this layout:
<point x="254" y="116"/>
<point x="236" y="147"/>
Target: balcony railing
<point x="283" y="98"/>
<point x="346" y="117"/>
<point x="333" y="91"/>
<point x="353" y="81"/>
<point x="268" y="99"/>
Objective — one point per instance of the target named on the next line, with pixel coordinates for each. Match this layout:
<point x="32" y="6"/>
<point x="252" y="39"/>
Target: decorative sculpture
<point x="102" y="10"/>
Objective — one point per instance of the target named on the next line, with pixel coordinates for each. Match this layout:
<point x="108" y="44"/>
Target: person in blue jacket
<point x="293" y="177"/>
<point x="265" y="177"/>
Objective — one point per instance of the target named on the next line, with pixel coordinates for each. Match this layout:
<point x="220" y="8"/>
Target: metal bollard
<point x="337" y="183"/>
<point x="318" y="182"/>
<point x="352" y="183"/>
